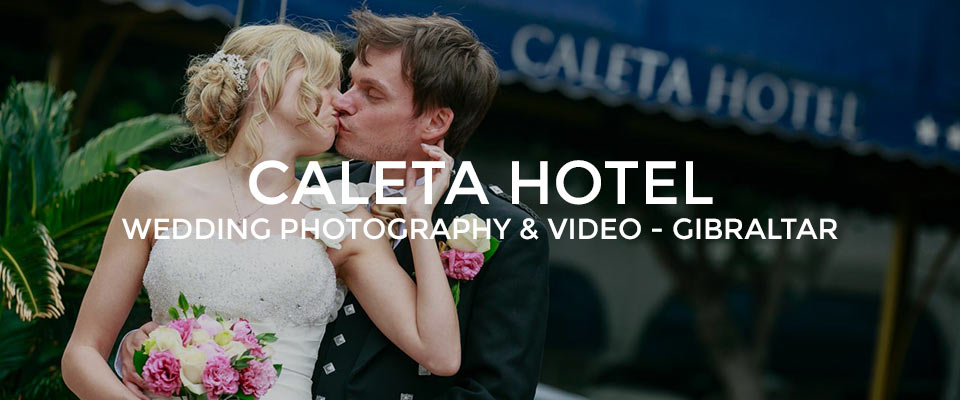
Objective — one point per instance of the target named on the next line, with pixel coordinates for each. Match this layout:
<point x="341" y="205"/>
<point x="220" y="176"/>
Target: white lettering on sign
<point x="651" y="75"/>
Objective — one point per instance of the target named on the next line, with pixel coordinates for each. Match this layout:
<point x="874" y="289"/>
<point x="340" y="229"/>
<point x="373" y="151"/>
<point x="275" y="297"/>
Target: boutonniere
<point x="464" y="254"/>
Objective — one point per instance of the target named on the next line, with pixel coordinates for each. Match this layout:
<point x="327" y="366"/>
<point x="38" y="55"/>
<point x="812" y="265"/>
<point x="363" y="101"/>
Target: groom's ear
<point x="437" y="124"/>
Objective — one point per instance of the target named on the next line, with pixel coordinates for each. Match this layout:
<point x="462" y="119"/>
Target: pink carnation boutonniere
<point x="463" y="254"/>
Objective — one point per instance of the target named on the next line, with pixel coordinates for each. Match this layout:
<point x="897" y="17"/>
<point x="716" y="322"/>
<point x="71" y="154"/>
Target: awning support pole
<point x="893" y="308"/>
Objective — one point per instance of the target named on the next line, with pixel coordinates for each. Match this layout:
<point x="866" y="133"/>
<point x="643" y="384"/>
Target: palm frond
<point x="29" y="273"/>
<point x="33" y="148"/>
<point x="75" y="218"/>
<point x="119" y="142"/>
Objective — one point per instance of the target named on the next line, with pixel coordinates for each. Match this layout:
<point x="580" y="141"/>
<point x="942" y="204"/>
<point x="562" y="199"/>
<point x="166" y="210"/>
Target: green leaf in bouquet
<point x="242" y="361"/>
<point x="139" y="359"/>
<point x="173" y="313"/>
<point x="240" y="364"/>
<point x="183" y="304"/>
<point x="494" y="244"/>
<point x="268" y="337"/>
<point x="243" y="396"/>
<point x="279" y="368"/>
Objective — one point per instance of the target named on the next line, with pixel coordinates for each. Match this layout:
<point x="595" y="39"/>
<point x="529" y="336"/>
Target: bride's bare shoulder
<point x="154" y="189"/>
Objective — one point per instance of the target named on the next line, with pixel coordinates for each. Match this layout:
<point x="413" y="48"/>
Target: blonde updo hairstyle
<point x="215" y="108"/>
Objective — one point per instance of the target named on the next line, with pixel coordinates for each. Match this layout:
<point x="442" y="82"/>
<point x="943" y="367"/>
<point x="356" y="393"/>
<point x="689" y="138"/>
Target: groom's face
<point x="377" y="119"/>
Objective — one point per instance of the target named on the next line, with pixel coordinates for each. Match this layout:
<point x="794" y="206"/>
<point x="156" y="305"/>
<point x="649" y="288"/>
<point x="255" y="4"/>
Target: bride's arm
<point x="421" y="319"/>
<point x="113" y="289"/>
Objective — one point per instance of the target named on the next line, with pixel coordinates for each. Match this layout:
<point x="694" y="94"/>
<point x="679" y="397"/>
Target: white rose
<point x="195" y="388"/>
<point x="477" y="238"/>
<point x="200" y="336"/>
<point x="234" y="349"/>
<point x="167" y="339"/>
<point x="192" y="363"/>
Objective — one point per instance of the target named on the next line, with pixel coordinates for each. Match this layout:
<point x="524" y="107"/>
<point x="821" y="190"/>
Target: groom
<point x="420" y="80"/>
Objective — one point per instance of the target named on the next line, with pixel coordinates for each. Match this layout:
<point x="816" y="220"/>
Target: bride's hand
<point x="416" y="206"/>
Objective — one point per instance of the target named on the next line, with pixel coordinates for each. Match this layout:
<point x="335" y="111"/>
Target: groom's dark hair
<point x="442" y="60"/>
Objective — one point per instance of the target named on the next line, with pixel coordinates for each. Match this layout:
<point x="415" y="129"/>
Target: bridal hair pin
<point x="235" y="65"/>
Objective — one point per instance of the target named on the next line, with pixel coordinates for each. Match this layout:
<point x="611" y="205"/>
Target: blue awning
<point x="870" y="76"/>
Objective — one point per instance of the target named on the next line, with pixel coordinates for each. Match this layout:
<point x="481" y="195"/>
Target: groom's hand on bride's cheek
<point x="131" y="343"/>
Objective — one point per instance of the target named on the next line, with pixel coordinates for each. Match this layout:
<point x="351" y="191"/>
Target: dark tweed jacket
<point x="503" y="320"/>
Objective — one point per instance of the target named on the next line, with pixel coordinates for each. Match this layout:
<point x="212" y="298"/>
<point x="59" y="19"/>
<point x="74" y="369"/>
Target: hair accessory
<point x="235" y="65"/>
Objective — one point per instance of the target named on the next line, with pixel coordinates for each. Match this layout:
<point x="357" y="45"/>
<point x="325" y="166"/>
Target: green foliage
<point x="33" y="147"/>
<point x="241" y="361"/>
<point x="15" y="338"/>
<point x="119" y="143"/>
<point x="29" y="271"/>
<point x="77" y="219"/>
<point x="54" y="211"/>
<point x="455" y="290"/>
<point x="268" y="337"/>
<point x="140" y="359"/>
<point x="494" y="245"/>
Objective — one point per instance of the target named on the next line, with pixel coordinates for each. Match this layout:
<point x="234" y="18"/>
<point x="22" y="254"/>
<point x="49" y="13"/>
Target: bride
<point x="279" y="110"/>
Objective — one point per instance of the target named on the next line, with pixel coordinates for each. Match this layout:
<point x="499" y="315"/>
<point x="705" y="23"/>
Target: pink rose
<point x="243" y="333"/>
<point x="209" y="324"/>
<point x="219" y="377"/>
<point x="257" y="378"/>
<point x="248" y="340"/>
<point x="241" y="327"/>
<point x="211" y="349"/>
<point x="161" y="372"/>
<point x="184" y="326"/>
<point x="461" y="264"/>
<point x="256" y="350"/>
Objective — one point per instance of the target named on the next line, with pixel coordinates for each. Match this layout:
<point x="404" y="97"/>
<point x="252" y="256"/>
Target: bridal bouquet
<point x="195" y="356"/>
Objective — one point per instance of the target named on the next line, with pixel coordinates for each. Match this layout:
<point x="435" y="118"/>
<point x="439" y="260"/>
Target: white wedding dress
<point x="281" y="285"/>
